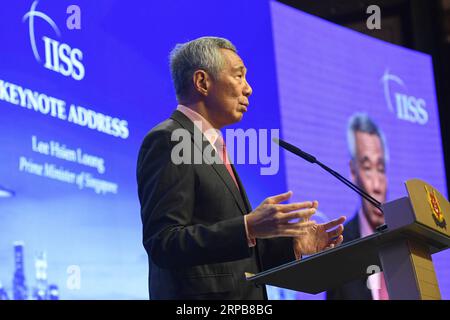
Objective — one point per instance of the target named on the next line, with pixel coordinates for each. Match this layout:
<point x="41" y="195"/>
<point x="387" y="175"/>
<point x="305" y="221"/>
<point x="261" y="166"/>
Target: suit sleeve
<point x="167" y="194"/>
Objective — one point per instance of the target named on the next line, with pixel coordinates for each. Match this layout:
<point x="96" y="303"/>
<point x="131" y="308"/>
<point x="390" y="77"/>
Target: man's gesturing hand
<point x="320" y="237"/>
<point x="272" y="219"/>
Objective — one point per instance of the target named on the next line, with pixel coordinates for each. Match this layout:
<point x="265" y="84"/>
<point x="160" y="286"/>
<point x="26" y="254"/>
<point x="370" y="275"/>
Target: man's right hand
<point x="271" y="219"/>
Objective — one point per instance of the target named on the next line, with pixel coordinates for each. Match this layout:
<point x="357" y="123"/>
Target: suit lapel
<point x="220" y="169"/>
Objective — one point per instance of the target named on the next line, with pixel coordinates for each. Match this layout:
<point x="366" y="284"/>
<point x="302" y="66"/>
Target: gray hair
<point x="361" y="122"/>
<point x="202" y="53"/>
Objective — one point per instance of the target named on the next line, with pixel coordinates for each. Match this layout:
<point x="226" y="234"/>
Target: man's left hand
<point x="320" y="237"/>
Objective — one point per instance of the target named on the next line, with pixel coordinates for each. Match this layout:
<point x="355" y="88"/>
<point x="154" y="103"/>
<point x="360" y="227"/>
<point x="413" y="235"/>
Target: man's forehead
<point x="239" y="67"/>
<point x="233" y="59"/>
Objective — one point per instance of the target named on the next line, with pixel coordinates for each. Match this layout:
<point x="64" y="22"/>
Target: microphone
<point x="312" y="159"/>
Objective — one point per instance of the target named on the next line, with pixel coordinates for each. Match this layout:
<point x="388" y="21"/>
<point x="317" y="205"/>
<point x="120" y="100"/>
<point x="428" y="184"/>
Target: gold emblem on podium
<point x="436" y="210"/>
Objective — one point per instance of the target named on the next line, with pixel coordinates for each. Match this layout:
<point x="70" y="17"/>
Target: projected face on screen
<point x="368" y="166"/>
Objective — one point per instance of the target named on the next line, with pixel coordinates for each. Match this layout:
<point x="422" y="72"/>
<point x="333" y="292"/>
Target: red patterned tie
<point x="383" y="290"/>
<point x="220" y="144"/>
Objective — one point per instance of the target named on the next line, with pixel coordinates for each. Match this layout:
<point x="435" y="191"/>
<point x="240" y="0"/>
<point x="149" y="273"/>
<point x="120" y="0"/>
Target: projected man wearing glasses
<point x="368" y="154"/>
<point x="199" y="230"/>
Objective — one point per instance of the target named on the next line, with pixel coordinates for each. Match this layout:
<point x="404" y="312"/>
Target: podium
<point x="415" y="227"/>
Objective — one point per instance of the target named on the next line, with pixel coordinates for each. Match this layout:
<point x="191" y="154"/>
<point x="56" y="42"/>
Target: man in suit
<point x="368" y="154"/>
<point x="199" y="230"/>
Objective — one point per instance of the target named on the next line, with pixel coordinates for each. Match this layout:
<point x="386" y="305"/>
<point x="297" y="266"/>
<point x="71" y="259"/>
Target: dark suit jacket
<point x="193" y="224"/>
<point x="354" y="290"/>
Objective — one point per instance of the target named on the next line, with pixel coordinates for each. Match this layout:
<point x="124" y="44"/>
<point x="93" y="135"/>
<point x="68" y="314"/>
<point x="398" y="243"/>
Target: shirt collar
<point x="202" y="124"/>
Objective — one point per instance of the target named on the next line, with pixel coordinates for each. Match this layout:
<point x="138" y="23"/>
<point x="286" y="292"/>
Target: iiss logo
<point x="406" y="107"/>
<point x="59" y="56"/>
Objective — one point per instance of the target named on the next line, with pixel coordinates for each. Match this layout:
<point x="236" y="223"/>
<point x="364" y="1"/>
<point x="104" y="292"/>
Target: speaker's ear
<point x="201" y="81"/>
